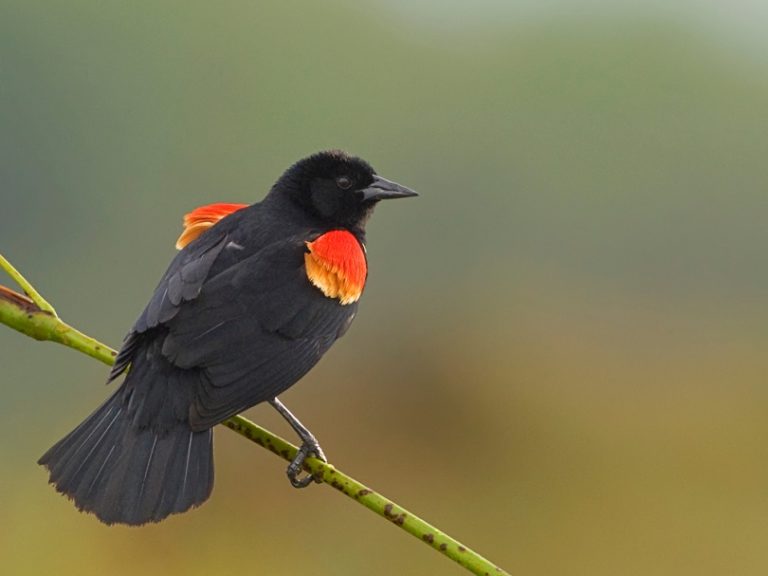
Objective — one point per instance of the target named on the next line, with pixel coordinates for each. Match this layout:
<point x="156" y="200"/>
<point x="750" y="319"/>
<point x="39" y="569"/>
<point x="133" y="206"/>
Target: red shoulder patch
<point x="336" y="264"/>
<point x="202" y="218"/>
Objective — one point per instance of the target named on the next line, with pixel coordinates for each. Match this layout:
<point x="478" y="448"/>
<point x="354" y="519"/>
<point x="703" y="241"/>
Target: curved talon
<point x="307" y="450"/>
<point x="301" y="482"/>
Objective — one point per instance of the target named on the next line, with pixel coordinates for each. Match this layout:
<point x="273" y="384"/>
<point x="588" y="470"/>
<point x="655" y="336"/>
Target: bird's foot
<point x="309" y="449"/>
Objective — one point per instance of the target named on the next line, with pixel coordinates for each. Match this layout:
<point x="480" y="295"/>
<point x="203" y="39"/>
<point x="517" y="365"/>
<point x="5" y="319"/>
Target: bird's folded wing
<point x="253" y="330"/>
<point x="181" y="283"/>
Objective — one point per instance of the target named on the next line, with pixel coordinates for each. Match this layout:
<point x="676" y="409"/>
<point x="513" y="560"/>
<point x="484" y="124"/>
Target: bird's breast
<point x="335" y="264"/>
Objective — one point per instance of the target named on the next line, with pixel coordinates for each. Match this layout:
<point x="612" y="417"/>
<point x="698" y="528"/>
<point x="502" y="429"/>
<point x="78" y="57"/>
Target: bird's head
<point x="337" y="188"/>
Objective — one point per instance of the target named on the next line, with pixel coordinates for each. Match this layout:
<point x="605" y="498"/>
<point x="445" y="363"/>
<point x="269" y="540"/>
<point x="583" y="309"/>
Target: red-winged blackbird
<point x="248" y="306"/>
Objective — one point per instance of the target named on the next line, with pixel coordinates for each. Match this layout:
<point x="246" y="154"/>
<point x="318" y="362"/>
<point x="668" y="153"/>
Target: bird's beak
<point x="382" y="189"/>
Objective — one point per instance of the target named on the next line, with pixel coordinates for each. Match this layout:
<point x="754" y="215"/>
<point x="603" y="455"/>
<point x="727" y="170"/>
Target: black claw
<point x="309" y="447"/>
<point x="301" y="482"/>
<point x="307" y="450"/>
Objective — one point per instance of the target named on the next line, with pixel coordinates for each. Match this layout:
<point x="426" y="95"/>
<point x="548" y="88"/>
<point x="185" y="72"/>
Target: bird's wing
<point x="253" y="331"/>
<point x="181" y="283"/>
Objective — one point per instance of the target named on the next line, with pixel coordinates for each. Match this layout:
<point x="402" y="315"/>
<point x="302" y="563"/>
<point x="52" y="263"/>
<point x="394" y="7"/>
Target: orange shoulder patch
<point x="202" y="218"/>
<point x="335" y="264"/>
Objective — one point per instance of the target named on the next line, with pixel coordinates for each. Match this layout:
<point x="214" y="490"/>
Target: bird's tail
<point x="127" y="473"/>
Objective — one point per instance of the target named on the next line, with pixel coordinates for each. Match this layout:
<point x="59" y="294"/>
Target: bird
<point x="255" y="297"/>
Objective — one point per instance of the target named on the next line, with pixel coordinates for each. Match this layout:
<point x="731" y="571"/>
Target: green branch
<point x="32" y="294"/>
<point x="33" y="316"/>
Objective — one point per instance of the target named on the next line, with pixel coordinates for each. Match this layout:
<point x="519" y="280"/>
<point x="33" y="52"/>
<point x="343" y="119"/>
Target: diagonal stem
<point x="36" y="318"/>
<point x="29" y="290"/>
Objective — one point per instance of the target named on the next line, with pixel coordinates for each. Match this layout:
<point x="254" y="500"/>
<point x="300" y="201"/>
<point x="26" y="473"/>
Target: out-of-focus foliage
<point x="564" y="336"/>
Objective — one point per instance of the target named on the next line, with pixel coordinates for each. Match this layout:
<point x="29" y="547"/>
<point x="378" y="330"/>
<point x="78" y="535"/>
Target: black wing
<point x="181" y="283"/>
<point x="249" y="320"/>
<point x="254" y="329"/>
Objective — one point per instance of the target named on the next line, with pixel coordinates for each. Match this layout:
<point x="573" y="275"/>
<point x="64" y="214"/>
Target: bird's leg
<point x="309" y="447"/>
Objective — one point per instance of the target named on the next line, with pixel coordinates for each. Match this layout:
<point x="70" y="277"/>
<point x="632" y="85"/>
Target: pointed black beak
<point x="383" y="189"/>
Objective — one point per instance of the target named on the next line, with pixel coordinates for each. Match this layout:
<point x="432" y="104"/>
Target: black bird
<point x="245" y="309"/>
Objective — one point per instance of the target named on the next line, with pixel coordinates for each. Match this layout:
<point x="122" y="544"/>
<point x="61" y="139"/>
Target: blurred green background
<point x="560" y="357"/>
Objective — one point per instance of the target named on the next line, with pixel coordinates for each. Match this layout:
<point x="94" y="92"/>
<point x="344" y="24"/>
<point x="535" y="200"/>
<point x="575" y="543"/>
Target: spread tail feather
<point x="128" y="474"/>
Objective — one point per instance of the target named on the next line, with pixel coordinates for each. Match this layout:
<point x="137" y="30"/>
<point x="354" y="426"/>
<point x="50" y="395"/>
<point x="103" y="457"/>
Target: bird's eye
<point x="344" y="182"/>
